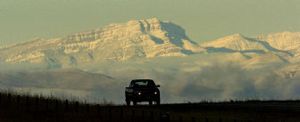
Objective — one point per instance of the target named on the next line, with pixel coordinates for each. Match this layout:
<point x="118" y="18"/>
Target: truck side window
<point x="151" y="83"/>
<point x="131" y="84"/>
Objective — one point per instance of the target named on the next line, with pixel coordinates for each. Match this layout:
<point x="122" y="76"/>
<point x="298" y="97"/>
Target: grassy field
<point x="26" y="108"/>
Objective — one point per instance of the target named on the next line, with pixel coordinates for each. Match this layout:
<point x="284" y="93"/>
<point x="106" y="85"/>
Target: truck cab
<point x="141" y="90"/>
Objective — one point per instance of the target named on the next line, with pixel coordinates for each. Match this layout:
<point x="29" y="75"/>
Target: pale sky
<point x="22" y="20"/>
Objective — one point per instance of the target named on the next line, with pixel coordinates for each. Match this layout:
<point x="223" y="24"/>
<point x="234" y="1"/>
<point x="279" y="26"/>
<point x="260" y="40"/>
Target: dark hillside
<point x="16" y="108"/>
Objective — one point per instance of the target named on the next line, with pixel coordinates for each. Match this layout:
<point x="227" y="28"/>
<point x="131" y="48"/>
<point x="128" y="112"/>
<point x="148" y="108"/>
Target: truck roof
<point x="142" y="80"/>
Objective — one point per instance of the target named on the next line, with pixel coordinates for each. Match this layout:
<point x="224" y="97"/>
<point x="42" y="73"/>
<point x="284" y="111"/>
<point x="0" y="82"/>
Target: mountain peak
<point x="153" y="20"/>
<point x="144" y="25"/>
<point x="235" y="42"/>
<point x="288" y="41"/>
<point x="235" y="36"/>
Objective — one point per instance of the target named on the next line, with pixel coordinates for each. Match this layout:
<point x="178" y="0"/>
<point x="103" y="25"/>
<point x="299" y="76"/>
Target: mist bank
<point x="198" y="80"/>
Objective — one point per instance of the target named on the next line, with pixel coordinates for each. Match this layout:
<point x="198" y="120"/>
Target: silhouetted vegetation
<point x="15" y="107"/>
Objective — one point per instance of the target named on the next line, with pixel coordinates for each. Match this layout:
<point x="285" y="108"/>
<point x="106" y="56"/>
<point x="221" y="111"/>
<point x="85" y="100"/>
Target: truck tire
<point x="150" y="102"/>
<point x="157" y="102"/>
<point x="128" y="102"/>
<point x="134" y="103"/>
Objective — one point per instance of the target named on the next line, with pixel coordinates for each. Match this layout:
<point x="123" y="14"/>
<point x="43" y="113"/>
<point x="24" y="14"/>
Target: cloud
<point x="217" y="81"/>
<point x="231" y="81"/>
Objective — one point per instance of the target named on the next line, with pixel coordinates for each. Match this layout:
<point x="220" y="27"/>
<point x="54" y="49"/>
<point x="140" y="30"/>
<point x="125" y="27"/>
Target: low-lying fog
<point x="195" y="81"/>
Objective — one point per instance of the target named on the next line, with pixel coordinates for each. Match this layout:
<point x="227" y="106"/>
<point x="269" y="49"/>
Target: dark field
<point x="22" y="108"/>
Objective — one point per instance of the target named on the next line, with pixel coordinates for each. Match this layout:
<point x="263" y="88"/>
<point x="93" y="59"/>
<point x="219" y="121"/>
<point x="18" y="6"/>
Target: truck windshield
<point x="144" y="83"/>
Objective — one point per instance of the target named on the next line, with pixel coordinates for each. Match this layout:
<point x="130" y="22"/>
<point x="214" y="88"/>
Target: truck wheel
<point x="134" y="102"/>
<point x="150" y="102"/>
<point x="157" y="102"/>
<point x="128" y="102"/>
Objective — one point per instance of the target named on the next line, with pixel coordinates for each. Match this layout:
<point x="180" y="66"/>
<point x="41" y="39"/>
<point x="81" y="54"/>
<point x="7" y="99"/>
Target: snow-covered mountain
<point x="287" y="41"/>
<point x="236" y="42"/>
<point x="117" y="42"/>
<point x="262" y="46"/>
<point x="148" y="39"/>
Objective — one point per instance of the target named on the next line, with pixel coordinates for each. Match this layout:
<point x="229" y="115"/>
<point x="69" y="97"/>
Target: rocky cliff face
<point x="117" y="42"/>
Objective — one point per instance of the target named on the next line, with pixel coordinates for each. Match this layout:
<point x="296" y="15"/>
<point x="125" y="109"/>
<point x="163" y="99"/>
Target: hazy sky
<point x="21" y="20"/>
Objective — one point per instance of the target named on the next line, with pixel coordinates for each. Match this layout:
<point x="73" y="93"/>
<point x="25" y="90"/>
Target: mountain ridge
<point x="137" y="38"/>
<point x="146" y="38"/>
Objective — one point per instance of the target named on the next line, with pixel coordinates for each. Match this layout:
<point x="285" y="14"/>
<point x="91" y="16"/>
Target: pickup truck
<point x="141" y="90"/>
